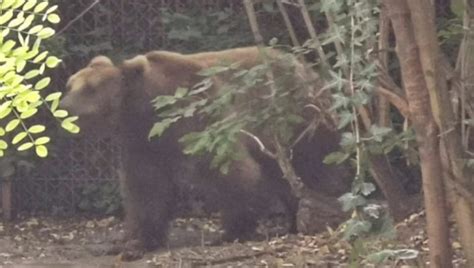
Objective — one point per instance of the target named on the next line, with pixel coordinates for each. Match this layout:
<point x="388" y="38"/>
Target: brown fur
<point x="105" y="95"/>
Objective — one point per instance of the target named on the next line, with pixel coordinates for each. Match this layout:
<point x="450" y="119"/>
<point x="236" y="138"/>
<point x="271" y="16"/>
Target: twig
<point x="289" y="25"/>
<point x="78" y="17"/>
<point x="260" y="144"/>
<point x="312" y="34"/>
<point x="396" y="100"/>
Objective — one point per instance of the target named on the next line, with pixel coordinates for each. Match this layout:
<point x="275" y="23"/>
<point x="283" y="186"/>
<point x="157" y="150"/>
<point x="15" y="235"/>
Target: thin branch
<point x="289" y="25"/>
<point x="398" y="101"/>
<point x="79" y="16"/>
<point x="262" y="147"/>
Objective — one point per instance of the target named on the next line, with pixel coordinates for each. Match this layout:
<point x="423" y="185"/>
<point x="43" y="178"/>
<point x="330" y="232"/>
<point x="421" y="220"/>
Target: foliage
<point x="195" y="30"/>
<point x="101" y="198"/>
<point x="23" y="27"/>
<point x="244" y="102"/>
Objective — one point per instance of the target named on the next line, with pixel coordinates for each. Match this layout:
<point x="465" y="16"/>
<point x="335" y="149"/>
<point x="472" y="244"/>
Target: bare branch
<point x="78" y="16"/>
<point x="260" y="144"/>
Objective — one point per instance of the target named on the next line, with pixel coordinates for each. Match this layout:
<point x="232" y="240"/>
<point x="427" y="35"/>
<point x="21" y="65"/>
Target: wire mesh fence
<point x="118" y="28"/>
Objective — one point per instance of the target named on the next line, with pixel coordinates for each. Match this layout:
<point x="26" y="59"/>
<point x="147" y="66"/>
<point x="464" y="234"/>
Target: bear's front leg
<point x="148" y="197"/>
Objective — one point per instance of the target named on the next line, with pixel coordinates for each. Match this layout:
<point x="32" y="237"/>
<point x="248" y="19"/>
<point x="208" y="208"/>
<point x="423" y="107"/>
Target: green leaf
<point x="163" y="101"/>
<point x="42" y="83"/>
<point x="7" y="46"/>
<point x="20" y="65"/>
<point x="41" y="57"/>
<point x="31" y="74"/>
<point x="52" y="62"/>
<point x="160" y="127"/>
<point x="28" y="113"/>
<point x="351" y="201"/>
<point x="335" y="158"/>
<point x="42" y="140"/>
<point x="12" y="125"/>
<point x="25" y="146"/>
<point x="60" y="113"/>
<point x="3" y="145"/>
<point x="2" y="131"/>
<point x="40" y="7"/>
<point x="32" y="96"/>
<point x="29" y="5"/>
<point x="54" y="18"/>
<point x="53" y="96"/>
<point x="54" y="105"/>
<point x="46" y="33"/>
<point x="18" y="3"/>
<point x="26" y="23"/>
<point x="7" y="3"/>
<point x="5" y="17"/>
<point x="5" y="112"/>
<point x="52" y="9"/>
<point x="68" y="125"/>
<point x="180" y="92"/>
<point x="41" y="151"/>
<point x="19" y="137"/>
<point x="36" y="129"/>
<point x="16" y="22"/>
<point x="35" y="29"/>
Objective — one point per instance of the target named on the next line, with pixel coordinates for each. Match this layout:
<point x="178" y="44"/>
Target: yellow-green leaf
<point x="2" y="131"/>
<point x="52" y="61"/>
<point x="36" y="129"/>
<point x="3" y="145"/>
<point x="7" y="46"/>
<point x="28" y="113"/>
<point x="53" y="96"/>
<point x="16" y="22"/>
<point x="32" y="96"/>
<point x="26" y="23"/>
<point x="40" y="7"/>
<point x="31" y="74"/>
<point x="35" y="29"/>
<point x="18" y="3"/>
<point x="60" y="113"/>
<point x="41" y="151"/>
<point x="42" y="140"/>
<point x="41" y="57"/>
<point x="46" y="32"/>
<point x="71" y="127"/>
<point x="7" y="3"/>
<point x="5" y="112"/>
<point x="12" y="125"/>
<point x="19" y="137"/>
<point x="51" y="9"/>
<point x="54" y="105"/>
<point x="42" y="83"/>
<point x="54" y="18"/>
<point x="20" y="65"/>
<point x="5" y="17"/>
<point x="29" y="5"/>
<point x="25" y="146"/>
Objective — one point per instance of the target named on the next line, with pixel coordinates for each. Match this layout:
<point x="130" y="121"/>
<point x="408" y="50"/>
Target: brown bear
<point x="106" y="96"/>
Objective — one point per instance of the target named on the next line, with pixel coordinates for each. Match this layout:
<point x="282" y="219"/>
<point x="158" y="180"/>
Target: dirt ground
<point x="85" y="242"/>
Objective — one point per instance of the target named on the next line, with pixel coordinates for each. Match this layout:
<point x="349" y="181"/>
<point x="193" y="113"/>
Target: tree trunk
<point x="422" y="13"/>
<point x="426" y="133"/>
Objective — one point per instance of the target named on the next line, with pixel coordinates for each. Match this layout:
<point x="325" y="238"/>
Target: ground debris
<point x="88" y="242"/>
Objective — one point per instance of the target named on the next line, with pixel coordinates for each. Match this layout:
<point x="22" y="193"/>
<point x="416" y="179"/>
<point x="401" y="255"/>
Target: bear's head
<point x="102" y="92"/>
<point x="94" y="94"/>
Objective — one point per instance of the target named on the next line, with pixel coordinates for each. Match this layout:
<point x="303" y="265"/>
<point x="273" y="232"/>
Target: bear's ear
<point x="101" y="61"/>
<point x="135" y="66"/>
